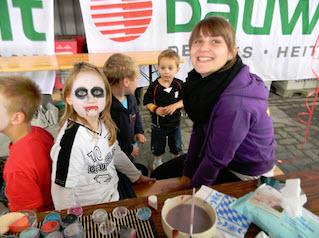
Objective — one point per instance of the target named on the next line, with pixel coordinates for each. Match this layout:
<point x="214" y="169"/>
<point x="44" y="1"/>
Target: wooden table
<point x="66" y="61"/>
<point x="309" y="184"/>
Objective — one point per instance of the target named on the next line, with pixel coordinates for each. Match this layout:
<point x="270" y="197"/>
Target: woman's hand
<point x="185" y="182"/>
<point x="144" y="179"/>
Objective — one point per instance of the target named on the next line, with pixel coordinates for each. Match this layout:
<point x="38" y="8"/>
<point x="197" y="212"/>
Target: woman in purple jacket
<point x="233" y="136"/>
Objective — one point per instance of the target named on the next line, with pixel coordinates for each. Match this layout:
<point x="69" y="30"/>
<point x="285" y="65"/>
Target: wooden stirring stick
<point x="192" y="214"/>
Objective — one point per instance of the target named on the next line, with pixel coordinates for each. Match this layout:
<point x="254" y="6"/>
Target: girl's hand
<point x="144" y="179"/>
<point x="140" y="138"/>
<point x="134" y="152"/>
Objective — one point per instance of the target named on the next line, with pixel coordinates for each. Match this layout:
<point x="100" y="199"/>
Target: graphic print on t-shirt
<point x="99" y="165"/>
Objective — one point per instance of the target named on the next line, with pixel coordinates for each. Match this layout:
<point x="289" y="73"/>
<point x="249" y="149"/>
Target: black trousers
<point x="174" y="168"/>
<point x="125" y="186"/>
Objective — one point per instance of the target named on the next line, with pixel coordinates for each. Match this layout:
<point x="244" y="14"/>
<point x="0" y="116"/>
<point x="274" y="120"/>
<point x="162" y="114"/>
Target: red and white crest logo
<point x="121" y="20"/>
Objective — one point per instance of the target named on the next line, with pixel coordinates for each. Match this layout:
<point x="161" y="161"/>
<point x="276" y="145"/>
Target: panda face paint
<point x="88" y="95"/>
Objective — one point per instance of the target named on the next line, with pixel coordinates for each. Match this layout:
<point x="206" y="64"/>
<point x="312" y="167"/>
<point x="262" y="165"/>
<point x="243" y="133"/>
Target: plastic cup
<point x="119" y="212"/>
<point x="55" y="234"/>
<point x="74" y="230"/>
<point x="68" y="220"/>
<point x="49" y="227"/>
<point x="52" y="216"/>
<point x="99" y="216"/>
<point x="78" y="211"/>
<point x="144" y="213"/>
<point x="31" y="232"/>
<point x="32" y="216"/>
<point x="107" y="227"/>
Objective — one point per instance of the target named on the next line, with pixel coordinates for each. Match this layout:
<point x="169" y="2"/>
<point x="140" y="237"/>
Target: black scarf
<point x="201" y="94"/>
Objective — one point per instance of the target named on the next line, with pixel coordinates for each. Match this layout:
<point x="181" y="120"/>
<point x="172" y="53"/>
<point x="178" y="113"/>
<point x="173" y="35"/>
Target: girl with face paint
<point x="86" y="155"/>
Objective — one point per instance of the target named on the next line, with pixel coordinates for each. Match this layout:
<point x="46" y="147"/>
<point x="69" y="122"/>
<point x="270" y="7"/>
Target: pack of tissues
<point x="280" y="213"/>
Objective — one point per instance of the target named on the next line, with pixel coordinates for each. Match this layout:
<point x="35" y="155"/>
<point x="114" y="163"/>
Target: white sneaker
<point x="156" y="163"/>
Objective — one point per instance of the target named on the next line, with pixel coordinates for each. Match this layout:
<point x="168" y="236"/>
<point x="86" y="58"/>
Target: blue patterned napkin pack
<point x="229" y="222"/>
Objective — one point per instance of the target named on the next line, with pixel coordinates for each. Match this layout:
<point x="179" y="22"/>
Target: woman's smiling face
<point x="209" y="54"/>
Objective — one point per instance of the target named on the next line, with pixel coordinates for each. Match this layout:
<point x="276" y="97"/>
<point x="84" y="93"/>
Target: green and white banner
<point x="275" y="37"/>
<point x="27" y="28"/>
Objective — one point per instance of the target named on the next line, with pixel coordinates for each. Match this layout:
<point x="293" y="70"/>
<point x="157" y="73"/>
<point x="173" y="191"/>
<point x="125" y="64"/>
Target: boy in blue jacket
<point x="122" y="72"/>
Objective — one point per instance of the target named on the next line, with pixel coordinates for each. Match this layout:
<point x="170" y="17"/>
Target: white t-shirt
<point x="84" y="167"/>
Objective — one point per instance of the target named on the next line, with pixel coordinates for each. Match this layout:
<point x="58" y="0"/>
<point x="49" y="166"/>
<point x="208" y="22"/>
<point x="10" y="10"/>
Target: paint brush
<point x="192" y="214"/>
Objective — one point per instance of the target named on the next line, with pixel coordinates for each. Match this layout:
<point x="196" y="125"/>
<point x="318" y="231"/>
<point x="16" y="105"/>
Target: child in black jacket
<point x="122" y="72"/>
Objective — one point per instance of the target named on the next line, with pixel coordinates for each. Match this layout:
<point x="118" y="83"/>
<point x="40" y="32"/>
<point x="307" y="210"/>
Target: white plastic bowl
<point x="187" y="199"/>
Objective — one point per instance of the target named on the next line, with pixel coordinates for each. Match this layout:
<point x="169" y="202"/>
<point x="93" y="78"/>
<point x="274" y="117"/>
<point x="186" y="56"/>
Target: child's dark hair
<point x="21" y="95"/>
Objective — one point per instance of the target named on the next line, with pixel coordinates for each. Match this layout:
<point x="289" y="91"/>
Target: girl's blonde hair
<point x="216" y="26"/>
<point x="70" y="113"/>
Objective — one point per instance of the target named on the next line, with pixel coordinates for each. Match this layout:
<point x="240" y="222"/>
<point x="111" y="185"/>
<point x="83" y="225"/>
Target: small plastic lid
<point x="55" y="234"/>
<point x="127" y="232"/>
<point x="69" y="219"/>
<point x="31" y="232"/>
<point x="144" y="213"/>
<point x="107" y="227"/>
<point x="52" y="216"/>
<point x="50" y="226"/>
<point x="78" y="211"/>
<point x="99" y="216"/>
<point x="73" y="230"/>
<point x="32" y="216"/>
<point x="119" y="212"/>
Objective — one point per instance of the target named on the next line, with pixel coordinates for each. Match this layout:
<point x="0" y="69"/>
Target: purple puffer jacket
<point x="239" y="134"/>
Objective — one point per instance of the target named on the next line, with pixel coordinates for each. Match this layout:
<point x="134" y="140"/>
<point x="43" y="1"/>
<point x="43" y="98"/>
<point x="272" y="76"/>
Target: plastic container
<point x="99" y="216"/>
<point x="31" y="232"/>
<point x="55" y="234"/>
<point x="49" y="227"/>
<point x="52" y="216"/>
<point x="107" y="227"/>
<point x="119" y="212"/>
<point x="69" y="219"/>
<point x="77" y="210"/>
<point x="74" y="230"/>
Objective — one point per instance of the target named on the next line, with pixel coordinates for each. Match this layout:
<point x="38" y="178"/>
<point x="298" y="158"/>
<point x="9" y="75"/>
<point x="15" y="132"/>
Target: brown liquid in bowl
<point x="179" y="218"/>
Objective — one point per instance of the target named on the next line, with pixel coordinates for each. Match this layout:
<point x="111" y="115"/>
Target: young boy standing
<point x="27" y="171"/>
<point x="164" y="100"/>
<point x="122" y="73"/>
